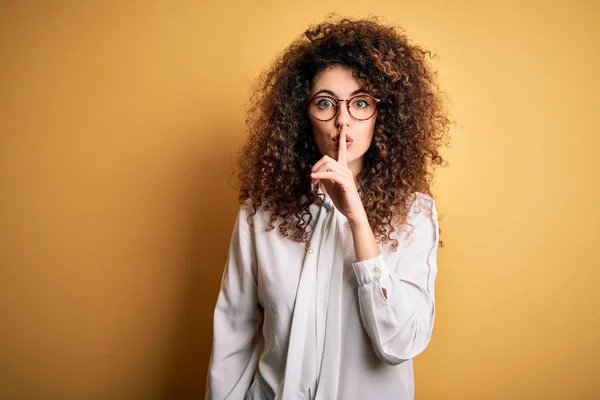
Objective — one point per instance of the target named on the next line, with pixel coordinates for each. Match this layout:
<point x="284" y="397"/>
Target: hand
<point x="338" y="181"/>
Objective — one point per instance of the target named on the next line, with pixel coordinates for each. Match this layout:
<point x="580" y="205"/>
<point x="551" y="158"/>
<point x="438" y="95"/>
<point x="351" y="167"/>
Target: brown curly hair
<point x="411" y="124"/>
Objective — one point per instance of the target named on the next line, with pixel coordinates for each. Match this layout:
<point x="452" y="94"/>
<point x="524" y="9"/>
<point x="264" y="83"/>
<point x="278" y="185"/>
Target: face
<point x="337" y="82"/>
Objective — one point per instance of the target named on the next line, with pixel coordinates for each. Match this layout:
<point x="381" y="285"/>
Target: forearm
<point x="397" y="302"/>
<point x="365" y="245"/>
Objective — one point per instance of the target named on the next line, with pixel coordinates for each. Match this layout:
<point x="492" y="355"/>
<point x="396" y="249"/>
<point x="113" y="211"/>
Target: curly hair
<point x="274" y="164"/>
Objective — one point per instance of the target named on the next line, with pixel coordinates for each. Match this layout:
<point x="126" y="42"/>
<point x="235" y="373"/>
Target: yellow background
<point x="117" y="129"/>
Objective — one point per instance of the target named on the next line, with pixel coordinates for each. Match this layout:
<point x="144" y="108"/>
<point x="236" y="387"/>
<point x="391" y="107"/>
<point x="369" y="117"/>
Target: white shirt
<point x="328" y="330"/>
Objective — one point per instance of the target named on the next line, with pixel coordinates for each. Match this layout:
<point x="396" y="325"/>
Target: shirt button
<point x="375" y="269"/>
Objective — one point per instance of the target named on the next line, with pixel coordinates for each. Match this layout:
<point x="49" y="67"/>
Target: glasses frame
<point x="337" y="106"/>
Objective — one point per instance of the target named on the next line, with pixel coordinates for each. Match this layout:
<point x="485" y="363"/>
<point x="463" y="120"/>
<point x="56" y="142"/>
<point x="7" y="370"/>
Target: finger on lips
<point x="342" y="147"/>
<point x="327" y="165"/>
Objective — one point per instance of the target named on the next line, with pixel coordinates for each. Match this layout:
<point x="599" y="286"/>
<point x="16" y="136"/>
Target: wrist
<point x="365" y="245"/>
<point x="359" y="222"/>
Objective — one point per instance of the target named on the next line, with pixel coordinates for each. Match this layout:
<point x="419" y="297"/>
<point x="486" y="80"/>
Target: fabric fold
<point x="316" y="320"/>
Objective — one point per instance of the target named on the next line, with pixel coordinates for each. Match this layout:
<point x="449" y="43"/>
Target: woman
<point x="344" y="128"/>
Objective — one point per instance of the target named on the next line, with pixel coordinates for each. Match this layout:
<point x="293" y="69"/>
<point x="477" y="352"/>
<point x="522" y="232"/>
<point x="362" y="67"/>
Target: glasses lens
<point x="362" y="107"/>
<point x="323" y="108"/>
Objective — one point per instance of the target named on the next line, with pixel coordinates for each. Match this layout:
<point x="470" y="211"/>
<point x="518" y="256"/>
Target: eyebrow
<point x="334" y="95"/>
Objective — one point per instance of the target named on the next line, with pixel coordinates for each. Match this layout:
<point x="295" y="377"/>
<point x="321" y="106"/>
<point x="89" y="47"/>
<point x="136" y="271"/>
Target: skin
<point x="336" y="171"/>
<point x="339" y="83"/>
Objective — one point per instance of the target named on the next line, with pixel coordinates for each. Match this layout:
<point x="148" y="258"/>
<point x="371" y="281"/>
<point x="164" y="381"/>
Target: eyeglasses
<point x="360" y="107"/>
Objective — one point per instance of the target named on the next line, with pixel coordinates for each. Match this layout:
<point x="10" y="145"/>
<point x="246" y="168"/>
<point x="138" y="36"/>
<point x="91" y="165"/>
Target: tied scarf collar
<point x="313" y="357"/>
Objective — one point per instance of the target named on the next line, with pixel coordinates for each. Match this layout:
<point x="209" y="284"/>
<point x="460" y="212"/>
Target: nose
<point x="343" y="116"/>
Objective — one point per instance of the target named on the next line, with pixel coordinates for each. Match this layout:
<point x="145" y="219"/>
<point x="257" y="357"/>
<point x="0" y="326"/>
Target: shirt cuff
<point x="370" y="270"/>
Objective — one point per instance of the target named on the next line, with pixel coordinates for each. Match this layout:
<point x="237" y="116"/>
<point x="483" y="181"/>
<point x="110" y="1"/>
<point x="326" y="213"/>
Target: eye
<point x="325" y="103"/>
<point x="360" y="103"/>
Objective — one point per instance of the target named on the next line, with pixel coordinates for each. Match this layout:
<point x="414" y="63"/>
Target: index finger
<point x="342" y="148"/>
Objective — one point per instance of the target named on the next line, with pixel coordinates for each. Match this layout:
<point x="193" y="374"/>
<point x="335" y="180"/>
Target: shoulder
<point x="421" y="221"/>
<point x="422" y="202"/>
<point x="262" y="213"/>
<point x="423" y="208"/>
<point x="254" y="214"/>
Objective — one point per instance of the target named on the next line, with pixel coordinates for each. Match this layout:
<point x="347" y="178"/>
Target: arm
<point x="237" y="339"/>
<point x="397" y="304"/>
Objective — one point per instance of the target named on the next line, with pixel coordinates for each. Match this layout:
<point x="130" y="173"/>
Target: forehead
<point x="338" y="79"/>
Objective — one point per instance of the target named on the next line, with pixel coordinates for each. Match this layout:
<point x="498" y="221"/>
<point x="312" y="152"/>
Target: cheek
<point x="368" y="133"/>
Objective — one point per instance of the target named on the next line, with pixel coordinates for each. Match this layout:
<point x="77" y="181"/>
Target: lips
<point x="336" y="140"/>
<point x="348" y="144"/>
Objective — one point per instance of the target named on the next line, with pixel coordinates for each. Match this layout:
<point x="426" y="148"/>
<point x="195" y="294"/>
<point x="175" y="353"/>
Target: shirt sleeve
<point x="237" y="338"/>
<point x="397" y="305"/>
